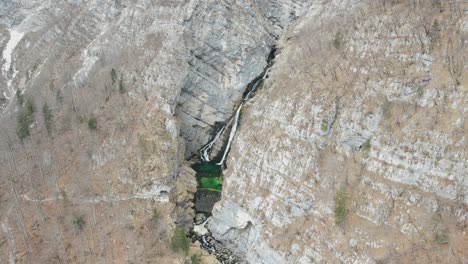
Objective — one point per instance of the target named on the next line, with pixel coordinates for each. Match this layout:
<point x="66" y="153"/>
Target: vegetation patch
<point x="180" y="241"/>
<point x="92" y="123"/>
<point x="441" y="233"/>
<point x="337" y="41"/>
<point x="386" y="108"/>
<point x="340" y="206"/>
<point x="25" y="119"/>
<point x="441" y="236"/>
<point x="122" y="89"/>
<point x="48" y="118"/>
<point x="366" y="146"/>
<point x="113" y="74"/>
<point x="19" y="97"/>
<point x="261" y="84"/>
<point x="324" y="126"/>
<point x="196" y="259"/>
<point x="155" y="216"/>
<point x="78" y="221"/>
<point x="59" y="97"/>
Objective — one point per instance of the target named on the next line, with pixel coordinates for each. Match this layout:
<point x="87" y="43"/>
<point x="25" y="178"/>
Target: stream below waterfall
<point x="209" y="172"/>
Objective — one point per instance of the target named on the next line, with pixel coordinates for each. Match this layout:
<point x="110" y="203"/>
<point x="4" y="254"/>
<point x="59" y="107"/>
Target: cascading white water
<point x="205" y="151"/>
<point x="236" y="118"/>
<point x="202" y="199"/>
<point x="231" y="135"/>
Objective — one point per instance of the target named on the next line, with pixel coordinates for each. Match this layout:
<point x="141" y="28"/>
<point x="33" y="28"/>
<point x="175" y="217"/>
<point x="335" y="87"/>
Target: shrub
<point x="48" y="118"/>
<point x="337" y="40"/>
<point x="195" y="259"/>
<point x="59" y="96"/>
<point x="113" y="74"/>
<point x="366" y="146"/>
<point x="261" y="84"/>
<point x="78" y="221"/>
<point x="30" y="106"/>
<point x="121" y="85"/>
<point x="23" y="122"/>
<point x="436" y="25"/>
<point x="25" y="119"/>
<point x="386" y="108"/>
<point x="340" y="206"/>
<point x="19" y="97"/>
<point x="441" y="237"/>
<point x="155" y="216"/>
<point x="324" y="126"/>
<point x="92" y="123"/>
<point x="180" y="241"/>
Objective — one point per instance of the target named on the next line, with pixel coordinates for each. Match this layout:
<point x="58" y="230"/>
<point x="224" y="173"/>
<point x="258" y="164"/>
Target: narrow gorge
<point x="209" y="170"/>
<point x="217" y="131"/>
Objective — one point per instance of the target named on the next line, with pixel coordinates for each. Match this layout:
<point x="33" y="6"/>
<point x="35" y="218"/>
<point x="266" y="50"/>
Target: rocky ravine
<point x="370" y="100"/>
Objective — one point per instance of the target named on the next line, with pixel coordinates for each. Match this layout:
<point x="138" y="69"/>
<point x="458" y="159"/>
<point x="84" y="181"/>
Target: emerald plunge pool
<point x="209" y="176"/>
<point x="210" y="184"/>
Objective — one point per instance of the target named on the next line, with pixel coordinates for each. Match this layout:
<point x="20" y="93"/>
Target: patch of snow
<point x="88" y="63"/>
<point x="15" y="38"/>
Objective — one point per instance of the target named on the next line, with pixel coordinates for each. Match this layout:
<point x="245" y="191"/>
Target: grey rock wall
<point x="229" y="43"/>
<point x="362" y="98"/>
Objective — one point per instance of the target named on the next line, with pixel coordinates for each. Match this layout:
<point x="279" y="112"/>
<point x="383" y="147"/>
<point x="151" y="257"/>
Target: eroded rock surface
<point x="370" y="99"/>
<point x="113" y="191"/>
<point x="229" y="43"/>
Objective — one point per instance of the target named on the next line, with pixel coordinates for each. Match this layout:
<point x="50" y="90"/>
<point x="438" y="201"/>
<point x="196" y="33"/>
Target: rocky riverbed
<point x="202" y="237"/>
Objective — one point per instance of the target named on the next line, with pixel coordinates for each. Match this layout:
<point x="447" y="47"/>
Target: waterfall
<point x="204" y="167"/>
<point x="231" y="135"/>
<point x="247" y="97"/>
<point x="205" y="151"/>
<point x="236" y="118"/>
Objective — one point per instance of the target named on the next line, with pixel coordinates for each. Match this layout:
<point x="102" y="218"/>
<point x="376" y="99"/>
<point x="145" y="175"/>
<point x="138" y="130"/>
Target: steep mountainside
<point x="91" y="94"/>
<point x="353" y="150"/>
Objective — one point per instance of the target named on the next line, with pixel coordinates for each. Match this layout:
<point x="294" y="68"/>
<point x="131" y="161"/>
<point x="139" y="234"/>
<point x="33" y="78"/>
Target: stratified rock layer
<point x="369" y="99"/>
<point x="229" y="43"/>
<point x="148" y="71"/>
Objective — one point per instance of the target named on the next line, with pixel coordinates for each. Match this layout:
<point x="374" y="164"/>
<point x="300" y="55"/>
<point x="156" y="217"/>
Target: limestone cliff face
<point x="365" y="99"/>
<point x="228" y="43"/>
<point x="85" y="194"/>
<point x="157" y="75"/>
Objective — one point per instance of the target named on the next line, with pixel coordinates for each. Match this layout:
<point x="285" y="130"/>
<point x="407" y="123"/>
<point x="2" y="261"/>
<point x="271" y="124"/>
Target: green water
<point x="209" y="176"/>
<point x="211" y="183"/>
<point x="207" y="169"/>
